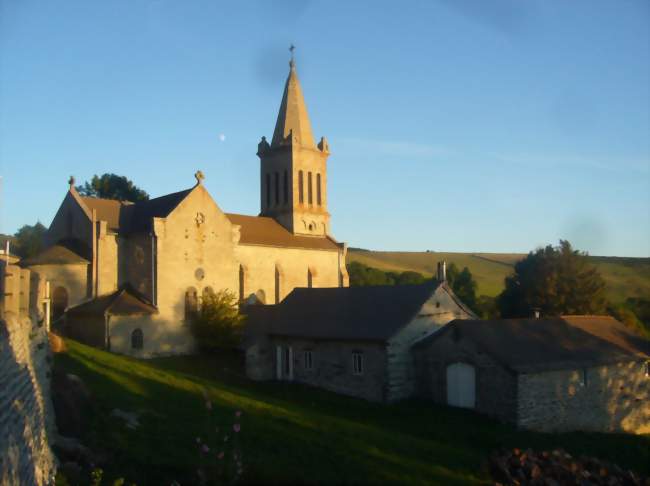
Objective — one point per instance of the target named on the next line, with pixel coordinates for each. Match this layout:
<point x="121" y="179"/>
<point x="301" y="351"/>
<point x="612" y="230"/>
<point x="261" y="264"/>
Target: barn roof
<point x="554" y="343"/>
<point x="342" y="313"/>
<point x="125" y="301"/>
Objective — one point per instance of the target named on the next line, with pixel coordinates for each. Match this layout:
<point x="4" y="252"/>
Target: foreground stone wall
<point x="614" y="398"/>
<point x="26" y="414"/>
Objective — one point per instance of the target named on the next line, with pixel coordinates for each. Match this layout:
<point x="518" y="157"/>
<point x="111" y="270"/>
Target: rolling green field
<point x="624" y="277"/>
<point x="291" y="433"/>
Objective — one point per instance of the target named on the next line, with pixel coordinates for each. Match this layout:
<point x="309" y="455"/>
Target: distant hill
<point x="625" y="277"/>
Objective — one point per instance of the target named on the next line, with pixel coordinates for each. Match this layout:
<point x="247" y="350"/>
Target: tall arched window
<point x="268" y="190"/>
<point x="277" y="189"/>
<point x="301" y="188"/>
<point x="277" y="285"/>
<point x="310" y="278"/>
<point x="286" y="187"/>
<point x="137" y="339"/>
<point x="309" y="193"/>
<point x="59" y="302"/>
<point x="242" y="288"/>
<point x="318" y="193"/>
<point x="191" y="302"/>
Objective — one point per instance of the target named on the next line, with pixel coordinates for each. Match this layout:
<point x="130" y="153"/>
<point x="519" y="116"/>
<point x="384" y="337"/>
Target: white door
<point x="461" y="385"/>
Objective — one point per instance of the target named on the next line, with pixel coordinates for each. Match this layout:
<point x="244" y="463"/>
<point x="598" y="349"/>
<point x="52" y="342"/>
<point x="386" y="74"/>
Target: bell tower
<point x="293" y="169"/>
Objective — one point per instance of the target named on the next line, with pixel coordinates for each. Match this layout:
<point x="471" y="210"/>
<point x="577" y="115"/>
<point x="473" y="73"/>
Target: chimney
<point x="442" y="271"/>
<point x="7" y="245"/>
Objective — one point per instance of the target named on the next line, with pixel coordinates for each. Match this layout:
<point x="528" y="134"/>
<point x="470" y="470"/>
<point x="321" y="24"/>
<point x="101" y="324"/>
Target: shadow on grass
<point x="293" y="433"/>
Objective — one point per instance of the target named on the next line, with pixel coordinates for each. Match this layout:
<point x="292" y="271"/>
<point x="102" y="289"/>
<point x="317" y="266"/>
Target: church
<point x="126" y="276"/>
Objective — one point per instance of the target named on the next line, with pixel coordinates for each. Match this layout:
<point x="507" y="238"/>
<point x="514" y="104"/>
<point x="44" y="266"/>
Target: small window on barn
<point x="584" y="378"/>
<point x="137" y="339"/>
<point x="309" y="360"/>
<point x="357" y="363"/>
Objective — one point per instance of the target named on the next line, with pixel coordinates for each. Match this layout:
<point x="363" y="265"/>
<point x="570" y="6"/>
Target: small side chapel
<point x="125" y="276"/>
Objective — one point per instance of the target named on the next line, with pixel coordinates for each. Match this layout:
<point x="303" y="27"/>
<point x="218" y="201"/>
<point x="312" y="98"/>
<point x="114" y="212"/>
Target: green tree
<point x="556" y="280"/>
<point x="112" y="186"/>
<point x="410" y="278"/>
<point x="362" y="275"/>
<point x="28" y="240"/>
<point x="217" y="324"/>
<point x="463" y="284"/>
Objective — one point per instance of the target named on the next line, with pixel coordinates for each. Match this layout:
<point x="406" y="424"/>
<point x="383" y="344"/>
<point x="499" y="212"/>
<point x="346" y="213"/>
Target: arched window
<point x="310" y="278"/>
<point x="59" y="302"/>
<point x="309" y="193"/>
<point x="318" y="193"/>
<point x="301" y="188"/>
<point x="286" y="187"/>
<point x="137" y="339"/>
<point x="207" y="292"/>
<point x="191" y="302"/>
<point x="242" y="289"/>
<point x="277" y="189"/>
<point x="268" y="190"/>
<point x="277" y="285"/>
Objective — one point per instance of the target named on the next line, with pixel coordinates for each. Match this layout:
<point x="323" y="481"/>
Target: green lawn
<point x="624" y="277"/>
<point x="292" y="433"/>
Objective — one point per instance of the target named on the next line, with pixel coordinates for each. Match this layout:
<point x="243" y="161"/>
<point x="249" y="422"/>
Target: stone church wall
<point x="26" y="415"/>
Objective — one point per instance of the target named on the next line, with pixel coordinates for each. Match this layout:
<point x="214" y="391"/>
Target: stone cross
<point x="199" y="177"/>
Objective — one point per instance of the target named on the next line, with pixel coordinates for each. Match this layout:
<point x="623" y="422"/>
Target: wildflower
<point x="208" y="405"/>
<point x="217" y="430"/>
<point x="205" y="449"/>
<point x="198" y="440"/>
<point x="225" y="439"/>
<point x="238" y="413"/>
<point x="205" y="393"/>
<point x="220" y="455"/>
<point x="236" y="427"/>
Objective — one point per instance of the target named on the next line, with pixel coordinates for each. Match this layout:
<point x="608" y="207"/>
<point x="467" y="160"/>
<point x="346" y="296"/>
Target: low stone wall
<point x="613" y="398"/>
<point x="26" y="416"/>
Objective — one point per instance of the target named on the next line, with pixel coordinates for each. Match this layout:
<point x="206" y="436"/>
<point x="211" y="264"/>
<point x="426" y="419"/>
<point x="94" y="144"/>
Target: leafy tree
<point x="410" y="278"/>
<point x="625" y="315"/>
<point x="362" y="275"/>
<point x="28" y="240"/>
<point x="112" y="186"/>
<point x="486" y="307"/>
<point x="555" y="280"/>
<point x="217" y="324"/>
<point x="463" y="284"/>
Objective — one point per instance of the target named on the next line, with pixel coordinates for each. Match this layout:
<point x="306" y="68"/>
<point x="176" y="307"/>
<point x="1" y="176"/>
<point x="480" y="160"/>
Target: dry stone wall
<point x="26" y="414"/>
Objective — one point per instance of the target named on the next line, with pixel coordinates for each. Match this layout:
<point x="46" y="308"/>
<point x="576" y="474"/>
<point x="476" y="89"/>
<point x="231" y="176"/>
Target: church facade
<point x="125" y="276"/>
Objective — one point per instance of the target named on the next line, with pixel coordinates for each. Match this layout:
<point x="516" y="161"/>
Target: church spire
<point x="293" y="119"/>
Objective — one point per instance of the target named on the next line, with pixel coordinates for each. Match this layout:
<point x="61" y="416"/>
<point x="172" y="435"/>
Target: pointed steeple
<point x="293" y="119"/>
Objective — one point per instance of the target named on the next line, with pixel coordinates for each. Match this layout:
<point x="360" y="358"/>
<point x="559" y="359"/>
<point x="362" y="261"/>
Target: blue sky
<point x="454" y="125"/>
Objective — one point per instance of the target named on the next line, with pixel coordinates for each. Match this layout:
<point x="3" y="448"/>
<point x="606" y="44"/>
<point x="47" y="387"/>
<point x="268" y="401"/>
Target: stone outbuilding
<point x="354" y="341"/>
<point x="550" y="374"/>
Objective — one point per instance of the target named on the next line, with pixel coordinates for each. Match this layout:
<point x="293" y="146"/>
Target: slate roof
<point x="106" y="209"/>
<point x="125" y="301"/>
<point x="65" y="252"/>
<point x="262" y="230"/>
<point x="533" y="345"/>
<point x="138" y="217"/>
<point x="342" y="313"/>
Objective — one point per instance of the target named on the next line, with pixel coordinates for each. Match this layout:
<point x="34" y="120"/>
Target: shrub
<point x="217" y="324"/>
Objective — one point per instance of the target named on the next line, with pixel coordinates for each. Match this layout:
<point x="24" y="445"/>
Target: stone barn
<point x="551" y="374"/>
<point x="354" y="341"/>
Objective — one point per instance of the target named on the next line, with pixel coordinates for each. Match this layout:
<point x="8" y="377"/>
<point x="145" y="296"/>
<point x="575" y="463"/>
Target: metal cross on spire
<point x="292" y="62"/>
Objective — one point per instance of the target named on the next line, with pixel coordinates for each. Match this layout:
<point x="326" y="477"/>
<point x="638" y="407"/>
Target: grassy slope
<point x="292" y="433"/>
<point x="625" y="277"/>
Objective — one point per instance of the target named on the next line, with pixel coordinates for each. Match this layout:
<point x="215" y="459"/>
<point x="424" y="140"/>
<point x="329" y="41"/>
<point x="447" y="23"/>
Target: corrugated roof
<point x="125" y="301"/>
<point x="532" y="345"/>
<point x="343" y="313"/>
<point x="61" y="253"/>
<point x="262" y="230"/>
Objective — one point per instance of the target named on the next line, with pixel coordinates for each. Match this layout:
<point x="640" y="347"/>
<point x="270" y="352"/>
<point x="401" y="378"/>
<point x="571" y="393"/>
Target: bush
<point x="217" y="324"/>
